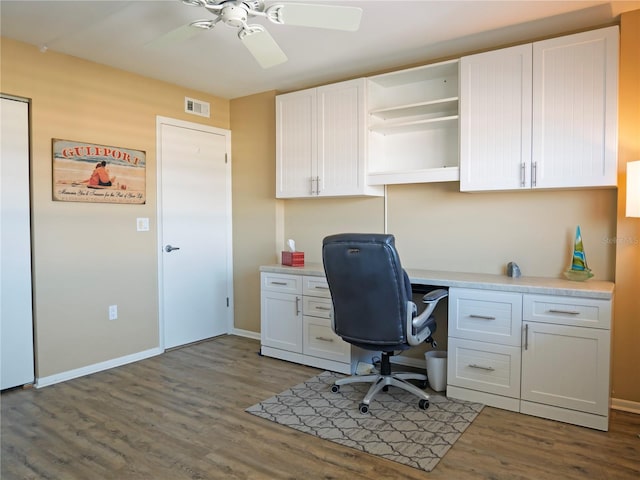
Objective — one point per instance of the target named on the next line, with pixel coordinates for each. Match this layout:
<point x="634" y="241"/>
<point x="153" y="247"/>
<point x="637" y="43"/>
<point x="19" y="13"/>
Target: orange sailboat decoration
<point x="579" y="270"/>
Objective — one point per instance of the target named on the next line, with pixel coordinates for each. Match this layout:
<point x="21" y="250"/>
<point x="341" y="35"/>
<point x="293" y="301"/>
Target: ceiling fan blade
<point x="262" y="46"/>
<point x="177" y="35"/>
<point x="334" y="17"/>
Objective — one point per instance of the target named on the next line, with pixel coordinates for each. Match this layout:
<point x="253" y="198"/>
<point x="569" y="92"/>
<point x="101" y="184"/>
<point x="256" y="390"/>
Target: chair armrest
<point x="433" y="297"/>
<point x="416" y="334"/>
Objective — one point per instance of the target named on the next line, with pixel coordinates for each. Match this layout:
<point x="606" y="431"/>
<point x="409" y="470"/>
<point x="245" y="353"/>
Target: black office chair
<point x="373" y="308"/>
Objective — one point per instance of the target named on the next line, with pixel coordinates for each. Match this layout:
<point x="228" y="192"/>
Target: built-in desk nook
<point x="539" y="346"/>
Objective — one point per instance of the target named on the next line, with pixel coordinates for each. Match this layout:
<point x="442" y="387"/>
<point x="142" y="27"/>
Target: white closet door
<point x="16" y="320"/>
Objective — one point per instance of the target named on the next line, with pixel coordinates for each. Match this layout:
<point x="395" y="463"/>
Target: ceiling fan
<point x="236" y="13"/>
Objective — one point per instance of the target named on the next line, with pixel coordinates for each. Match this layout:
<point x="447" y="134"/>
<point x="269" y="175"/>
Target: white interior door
<point x="16" y="312"/>
<point x="195" y="232"/>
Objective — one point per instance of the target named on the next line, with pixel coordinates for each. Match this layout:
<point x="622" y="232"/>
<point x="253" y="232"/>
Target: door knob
<point x="170" y="249"/>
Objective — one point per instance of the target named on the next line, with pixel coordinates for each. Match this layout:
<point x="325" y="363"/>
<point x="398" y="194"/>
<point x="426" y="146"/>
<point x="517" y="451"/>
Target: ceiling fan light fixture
<point x="235" y="16"/>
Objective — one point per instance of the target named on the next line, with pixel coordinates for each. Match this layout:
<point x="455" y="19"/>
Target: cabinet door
<point x="495" y="120"/>
<point x="566" y="367"/>
<point x="575" y="94"/>
<point x="281" y="321"/>
<point x="341" y="138"/>
<point x="296" y="144"/>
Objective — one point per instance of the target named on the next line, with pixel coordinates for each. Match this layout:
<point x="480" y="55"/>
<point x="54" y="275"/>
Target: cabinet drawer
<point x="319" y="340"/>
<point x="485" y="367"/>
<point x="316" y="287"/>
<point x="580" y="312"/>
<point x="486" y="316"/>
<point x="279" y="282"/>
<point x="316" y="306"/>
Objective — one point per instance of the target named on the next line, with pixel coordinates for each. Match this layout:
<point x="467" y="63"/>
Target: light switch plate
<point x="142" y="224"/>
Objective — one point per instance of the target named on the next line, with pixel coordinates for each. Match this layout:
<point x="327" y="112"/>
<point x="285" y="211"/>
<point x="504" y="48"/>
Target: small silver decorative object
<point x="513" y="270"/>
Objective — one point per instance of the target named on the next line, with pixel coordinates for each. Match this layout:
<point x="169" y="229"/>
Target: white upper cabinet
<point x="495" y="119"/>
<point x="541" y="115"/>
<point x="575" y="110"/>
<point x="413" y="125"/>
<point x="321" y="142"/>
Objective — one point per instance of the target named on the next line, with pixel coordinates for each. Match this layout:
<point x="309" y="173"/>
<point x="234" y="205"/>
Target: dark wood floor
<point x="181" y="416"/>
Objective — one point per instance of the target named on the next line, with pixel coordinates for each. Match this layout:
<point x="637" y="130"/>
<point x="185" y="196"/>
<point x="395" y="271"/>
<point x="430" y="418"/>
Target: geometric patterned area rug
<point x="395" y="427"/>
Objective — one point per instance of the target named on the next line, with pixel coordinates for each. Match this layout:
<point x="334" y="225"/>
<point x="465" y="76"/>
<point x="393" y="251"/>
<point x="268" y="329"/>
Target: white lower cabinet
<point x="542" y="355"/>
<point x="566" y="358"/>
<point x="295" y="324"/>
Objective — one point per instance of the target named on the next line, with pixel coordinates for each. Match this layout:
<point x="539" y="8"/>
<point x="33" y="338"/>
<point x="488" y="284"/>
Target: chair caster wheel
<point x="335" y="388"/>
<point x="423" y="404"/>
<point x="385" y="388"/>
<point x="364" y="408"/>
<point x="423" y="384"/>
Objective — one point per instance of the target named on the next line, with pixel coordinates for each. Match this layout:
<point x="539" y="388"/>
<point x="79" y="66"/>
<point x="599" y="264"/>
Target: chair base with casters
<point x="383" y="380"/>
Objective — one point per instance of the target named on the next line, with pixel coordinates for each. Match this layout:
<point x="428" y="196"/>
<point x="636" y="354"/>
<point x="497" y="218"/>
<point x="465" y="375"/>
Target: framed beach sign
<point x="86" y="172"/>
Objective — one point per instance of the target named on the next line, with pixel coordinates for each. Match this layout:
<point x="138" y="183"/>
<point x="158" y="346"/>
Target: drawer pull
<point x="484" y="317"/>
<point x="566" y="312"/>
<point x="488" y="369"/>
<point x="284" y="284"/>
<point x="325" y="339"/>
<point x="328" y="309"/>
<point x="321" y="288"/>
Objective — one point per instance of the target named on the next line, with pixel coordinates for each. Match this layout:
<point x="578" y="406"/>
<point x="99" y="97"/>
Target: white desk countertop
<point x="596" y="289"/>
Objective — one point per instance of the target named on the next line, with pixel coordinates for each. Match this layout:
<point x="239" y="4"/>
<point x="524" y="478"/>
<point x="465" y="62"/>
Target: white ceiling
<point x="392" y="33"/>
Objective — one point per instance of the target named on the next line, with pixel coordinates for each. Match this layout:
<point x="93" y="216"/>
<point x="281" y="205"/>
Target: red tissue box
<point x="293" y="259"/>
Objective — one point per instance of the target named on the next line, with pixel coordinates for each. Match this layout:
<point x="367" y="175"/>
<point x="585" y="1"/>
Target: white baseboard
<point x="625" y="405"/>
<point x="246" y="333"/>
<point x="96" y="367"/>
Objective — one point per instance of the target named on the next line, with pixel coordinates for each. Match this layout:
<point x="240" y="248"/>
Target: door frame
<point x="160" y="121"/>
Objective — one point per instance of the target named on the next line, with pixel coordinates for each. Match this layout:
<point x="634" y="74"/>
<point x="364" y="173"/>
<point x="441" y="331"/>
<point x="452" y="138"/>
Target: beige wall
<point x="254" y="207"/>
<point x="626" y="334"/>
<point x="90" y="256"/>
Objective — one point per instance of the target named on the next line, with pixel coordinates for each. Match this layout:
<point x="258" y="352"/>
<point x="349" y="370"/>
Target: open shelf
<point x="435" y="108"/>
<point x="413" y="125"/>
<point x="425" y="175"/>
<point x="445" y="70"/>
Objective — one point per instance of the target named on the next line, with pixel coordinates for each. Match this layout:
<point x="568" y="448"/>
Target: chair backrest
<point x="369" y="290"/>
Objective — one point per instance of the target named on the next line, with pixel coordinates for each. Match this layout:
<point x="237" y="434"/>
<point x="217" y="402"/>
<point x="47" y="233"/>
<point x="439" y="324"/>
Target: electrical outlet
<point x="113" y="312"/>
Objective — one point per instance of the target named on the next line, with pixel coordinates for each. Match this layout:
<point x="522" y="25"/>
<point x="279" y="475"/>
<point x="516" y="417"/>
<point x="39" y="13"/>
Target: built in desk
<point x="539" y="346"/>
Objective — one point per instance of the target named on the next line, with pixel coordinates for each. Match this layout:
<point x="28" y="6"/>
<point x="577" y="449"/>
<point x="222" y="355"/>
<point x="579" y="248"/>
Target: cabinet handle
<point x="566" y="312"/>
<point x="534" y="174"/>
<point x="325" y="339"/>
<point x="322" y="288"/>
<point x="279" y="283"/>
<point x="328" y="309"/>
<point x="522" y="174"/>
<point x="488" y="369"/>
<point x="526" y="336"/>
<point x="297" y="306"/>
<point x="484" y="317"/>
<point x="313" y="192"/>
<point x="317" y="185"/>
